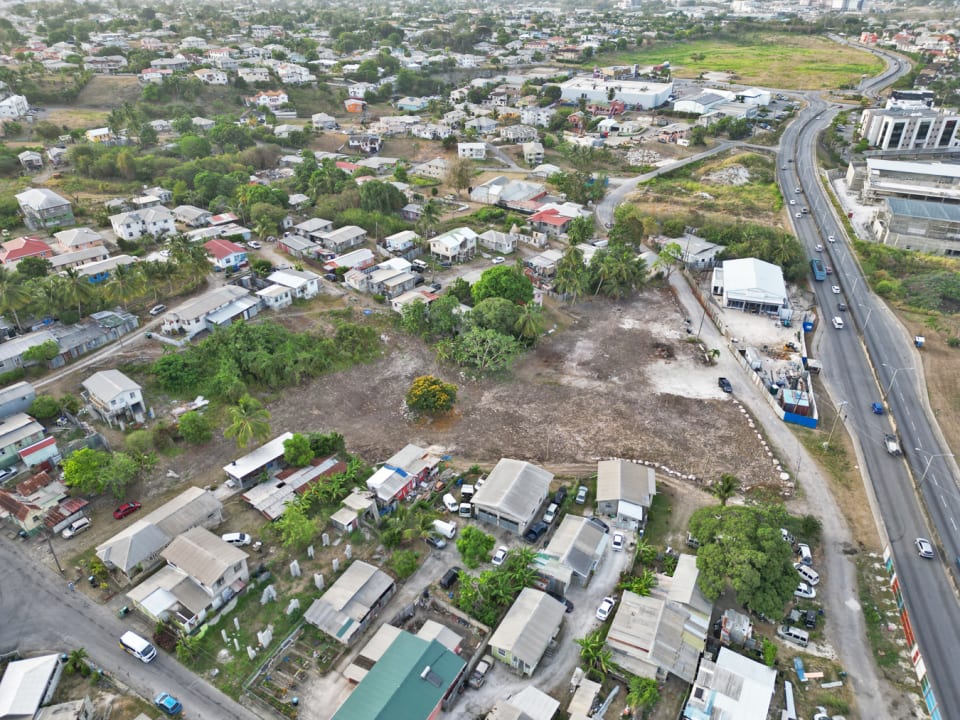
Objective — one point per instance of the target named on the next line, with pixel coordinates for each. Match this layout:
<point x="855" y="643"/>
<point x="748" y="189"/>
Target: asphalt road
<point x="41" y="614"/>
<point x="860" y="368"/>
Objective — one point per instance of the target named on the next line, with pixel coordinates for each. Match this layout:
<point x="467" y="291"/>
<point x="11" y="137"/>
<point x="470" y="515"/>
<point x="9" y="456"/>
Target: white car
<point x="924" y="547"/>
<point x="157" y="309"/>
<point x="793" y="202"/>
<point x="500" y="555"/>
<point x="499" y="260"/>
<point x="236" y="538"/>
<point x="551" y="514"/>
<point x="831" y="238"/>
<point x="254" y="245"/>
<point x="617" y="542"/>
<point x="805" y="591"/>
<point x="838" y="322"/>
<point x="798" y="191"/>
<point x="606" y="606"/>
<point x="819" y="247"/>
<point x="798" y="216"/>
<point x="835" y="289"/>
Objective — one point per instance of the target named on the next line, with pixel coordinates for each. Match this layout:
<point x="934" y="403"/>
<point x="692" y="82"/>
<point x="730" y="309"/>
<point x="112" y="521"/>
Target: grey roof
<point x="202" y="555"/>
<point x="78" y="236"/>
<point x="258" y="458"/>
<point x="934" y="169"/>
<point x="944" y="212"/>
<point x="529" y="626"/>
<point x="624" y="480"/>
<point x="341" y="610"/>
<point x="208" y="302"/>
<point x="19" y="345"/>
<point x="41" y="199"/>
<point x="577" y="543"/>
<point x="107" y="384"/>
<point x="514" y="488"/>
<point x="25" y="684"/>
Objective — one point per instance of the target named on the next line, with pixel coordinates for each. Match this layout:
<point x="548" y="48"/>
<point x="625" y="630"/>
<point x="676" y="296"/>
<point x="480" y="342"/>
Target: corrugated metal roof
<point x="624" y="480"/>
<point x="529" y="625"/>
<point x="202" y="555"/>
<point x="514" y="488"/>
<point x="107" y="384"/>
<point x="925" y="210"/>
<point x="578" y="543"/>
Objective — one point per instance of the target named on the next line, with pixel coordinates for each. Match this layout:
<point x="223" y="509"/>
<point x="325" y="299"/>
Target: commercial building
<point x="910" y="128"/>
<point x="641" y="94"/>
<point x="931" y="227"/>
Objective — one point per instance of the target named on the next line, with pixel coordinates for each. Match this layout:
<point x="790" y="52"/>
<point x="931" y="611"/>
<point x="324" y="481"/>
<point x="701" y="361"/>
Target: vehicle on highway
<point x="606" y="606"/>
<point x="449" y="578"/>
<point x="127" y="508"/>
<point x="551" y="514"/>
<point x="725" y="385"/>
<point x="924" y="547"/>
<point x="157" y="309"/>
<point x="236" y="538"/>
<point x="819" y="273"/>
<point x="499" y="556"/>
<point x="137" y="646"/>
<point x="535" y="532"/>
<point x="76" y="527"/>
<point x="499" y="260"/>
<point x="798" y="215"/>
<point x="893" y="447"/>
<point x="435" y="541"/>
<point x="798" y="191"/>
<point x="819" y="247"/>
<point x="581" y="497"/>
<point x="835" y="289"/>
<point x="828" y="269"/>
<point x="877" y="408"/>
<point x="838" y="323"/>
<point x="617" y="543"/>
<point x="793" y="202"/>
<point x="841" y="306"/>
<point x="805" y="591"/>
<point x="168" y="703"/>
<point x="831" y="238"/>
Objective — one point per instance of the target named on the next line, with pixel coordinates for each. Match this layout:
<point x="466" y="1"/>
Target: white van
<point x="466" y="510"/>
<point x="807" y="573"/>
<point x="137" y="646"/>
<point x="794" y="635"/>
<point x="450" y="503"/>
<point x="76" y="527"/>
<point x="467" y="492"/>
<point x="804" y="554"/>
<point x="838" y="323"/>
<point x="447" y="529"/>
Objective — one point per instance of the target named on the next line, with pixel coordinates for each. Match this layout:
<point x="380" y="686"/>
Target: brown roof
<point x="29" y="487"/>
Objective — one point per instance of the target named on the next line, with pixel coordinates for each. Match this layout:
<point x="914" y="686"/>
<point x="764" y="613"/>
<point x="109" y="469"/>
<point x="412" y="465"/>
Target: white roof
<point x="41" y="199"/>
<point x="107" y="384"/>
<point x="292" y="278"/>
<point x="514" y="488"/>
<point x="737" y="686"/>
<point x="754" y="280"/>
<point x="529" y="625"/>
<point x="253" y="461"/>
<point x="24" y="686"/>
<point x="937" y="169"/>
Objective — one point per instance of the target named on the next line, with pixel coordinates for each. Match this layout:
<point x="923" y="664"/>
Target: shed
<point x="244" y="471"/>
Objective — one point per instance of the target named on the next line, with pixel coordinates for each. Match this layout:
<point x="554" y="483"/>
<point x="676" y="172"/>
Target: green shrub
<point x="44" y="407"/>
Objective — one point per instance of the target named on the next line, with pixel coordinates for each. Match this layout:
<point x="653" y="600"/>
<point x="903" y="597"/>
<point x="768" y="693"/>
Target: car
<point x="332" y="277"/>
<point x="819" y="247"/>
<point x="798" y="216"/>
<point x="810" y="619"/>
<point x="479" y="673"/>
<point x="127" y="508"/>
<point x="828" y="269"/>
<point x="76" y="527"/>
<point x="499" y="556"/>
<point x="600" y="524"/>
<point x="725" y="385"/>
<point x="535" y="532"/>
<point x="617" y="542"/>
<point x="499" y="260"/>
<point x="551" y="514"/>
<point x="793" y="202"/>
<point x="236" y="538"/>
<point x="449" y="578"/>
<point x="841" y="306"/>
<point x="560" y="598"/>
<point x="560" y="495"/>
<point x="168" y="703"/>
<point x="831" y="238"/>
<point x="581" y="497"/>
<point x="254" y="245"/>
<point x="798" y="191"/>
<point x="783" y="167"/>
<point x="450" y="503"/>
<point x="7" y="473"/>
<point x="805" y="591"/>
<point x="435" y="287"/>
<point x="157" y="309"/>
<point x="435" y="541"/>
<point x="837" y="322"/>
<point x="606" y="605"/>
<point x="924" y="547"/>
<point x="835" y="289"/>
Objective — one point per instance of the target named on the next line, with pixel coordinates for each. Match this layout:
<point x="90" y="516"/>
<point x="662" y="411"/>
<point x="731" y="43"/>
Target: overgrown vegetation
<point x="488" y="595"/>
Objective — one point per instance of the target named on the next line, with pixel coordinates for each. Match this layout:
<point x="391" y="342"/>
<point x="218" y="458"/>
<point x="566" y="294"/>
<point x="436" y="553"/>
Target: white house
<point x="512" y="495"/>
<point x="269" y="99"/>
<point x="14" y="106"/>
<point x="226" y="254"/>
<point x="455" y="245"/>
<point x="472" y="151"/>
<point x="211" y="77"/>
<point x="322" y="121"/>
<point x="751" y="285"/>
<point x="625" y="491"/>
<point x="112" y="394"/>
<point x="155" y="221"/>
<point x="302" y="283"/>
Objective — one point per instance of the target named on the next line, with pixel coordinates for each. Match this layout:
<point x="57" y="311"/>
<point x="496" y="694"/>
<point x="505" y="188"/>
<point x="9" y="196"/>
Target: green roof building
<point x="410" y="681"/>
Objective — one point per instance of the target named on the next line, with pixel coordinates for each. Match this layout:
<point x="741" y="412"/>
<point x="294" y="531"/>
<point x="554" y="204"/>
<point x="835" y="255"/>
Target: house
<point x="413" y="679"/>
<point x="136" y="548"/>
<point x="12" y="351"/>
<point x="498" y="242"/>
<point x="268" y="99"/>
<point x="211" y="77"/>
<point x="411" y="296"/>
<point x="322" y="121"/>
<point x="40" y="502"/>
<point x="270" y="498"/>
<point x="303" y="284"/>
<point x="297" y="246"/>
<point x="78" y="258"/>
<point x="113" y="395"/>
<point x="537" y="116"/>
<point x="16" y="398"/>
<point x="30" y="160"/>
<point x="412" y="104"/>
<point x="529" y="629"/>
<point x="360" y="89"/>
<point x="253" y="75"/>
<point x="17" y="432"/>
<point x="153" y="221"/>
<point x="28" y="684"/>
<point x="390" y="278"/>
<point x="192" y="216"/>
<point x="13" y="107"/>
<point x="751" y="285"/>
<point x="528" y="704"/>
<point x="625" y="491"/>
<point x="343" y="238"/>
<point x="504" y="191"/>
<point x="665" y="632"/>
<point x="578" y="545"/>
<point x="248" y="470"/>
<point x="533" y="153"/>
<point x="314" y="228"/>
<point x="43" y="208"/>
<point x="734" y="686"/>
<point x="402" y="473"/>
<point x="13" y="251"/>
<point x="103" y="135"/>
<point x="411" y="212"/>
<point x="351" y="603"/>
<point x="472" y="151"/>
<point x="202" y="574"/>
<point x="555" y="218"/>
<point x="202" y="123"/>
<point x="354" y="105"/>
<point x="275" y="297"/>
<point x="401" y="242"/>
<point x="79" y="238"/>
<point x="57" y="155"/>
<point x="213" y="308"/>
<point x="99" y="271"/>
<point x="483" y="125"/>
<point x="454" y="245"/>
<point x="544" y="265"/>
<point x="518" y="133"/>
<point x="436" y="169"/>
<point x="512" y="495"/>
<point x="226" y="255"/>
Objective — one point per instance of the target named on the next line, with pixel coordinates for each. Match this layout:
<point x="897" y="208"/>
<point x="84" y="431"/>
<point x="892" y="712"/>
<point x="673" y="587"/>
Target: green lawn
<point x="776" y="61"/>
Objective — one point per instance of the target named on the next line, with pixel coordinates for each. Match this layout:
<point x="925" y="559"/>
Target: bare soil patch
<point x="107" y="91"/>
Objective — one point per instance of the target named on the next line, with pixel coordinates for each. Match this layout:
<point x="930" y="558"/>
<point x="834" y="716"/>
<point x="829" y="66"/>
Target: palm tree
<point x="640" y="584"/>
<point x="571" y="275"/>
<point x="725" y="488"/>
<point x="77" y="660"/>
<point x="13" y="295"/>
<point x="249" y="421"/>
<point x="76" y="289"/>
<point x="645" y="553"/>
<point x="529" y="325"/>
<point x="429" y="215"/>
<point x="155" y="272"/>
<point x="126" y="282"/>
<point x="592" y="651"/>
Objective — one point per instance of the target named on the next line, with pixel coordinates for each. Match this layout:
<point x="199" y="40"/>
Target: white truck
<point x="893" y="447"/>
<point x="447" y="529"/>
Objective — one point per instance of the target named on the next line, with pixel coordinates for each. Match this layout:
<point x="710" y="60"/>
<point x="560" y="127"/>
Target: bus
<point x="819" y="273"/>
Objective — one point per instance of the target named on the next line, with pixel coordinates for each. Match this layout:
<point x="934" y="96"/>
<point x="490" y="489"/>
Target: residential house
<point x="43" y="208"/>
<point x="518" y="133"/>
<point x="226" y="255"/>
<point x="513" y="494"/>
<point x="192" y="216"/>
<point x="351" y="603"/>
<point x="414" y="679"/>
<point x="114" y="396"/>
<point x="555" y="218"/>
<point x="253" y="75"/>
<point x="411" y="212"/>
<point x="578" y="545"/>
<point x="78" y="258"/>
<point x="537" y="116"/>
<point x="18" y="431"/>
<point x="472" y="150"/>
<point x="99" y="271"/>
<point x="12" y="351"/>
<point x="498" y="242"/>
<point x="625" y="491"/>
<point x="80" y="238"/>
<point x="30" y="160"/>
<point x="161" y="126"/>
<point x="343" y="238"/>
<point x="57" y="155"/>
<point x="136" y="549"/>
<point x="13" y="107"/>
<point x="402" y="473"/>
<point x="28" y="684"/>
<point x="528" y="704"/>
<point x="516" y="194"/>
<point x="283" y="131"/>
<point x="360" y="89"/>
<point x="246" y="471"/>
<point x="418" y="295"/>
<point x="13" y="251"/>
<point x="530" y="629"/>
<point x="436" y="169"/>
<point x="202" y="574"/>
<point x="16" y="398"/>
<point x="105" y="64"/>
<point x="270" y="498"/>
<point x="734" y="686"/>
<point x="456" y="245"/>
<point x="412" y="104"/>
<point x="533" y="153"/>
<point x="322" y="121"/>
<point x="202" y="124"/>
<point x="751" y="285"/>
<point x="354" y="105"/>
<point x="293" y="74"/>
<point x="70" y="710"/>
<point x="302" y="284"/>
<point x="40" y="502"/>
<point x="483" y="125"/>
<point x="102" y="135"/>
<point x="297" y="246"/>
<point x="544" y="265"/>
<point x="401" y="242"/>
<point x="214" y="308"/>
<point x="209" y="76"/>
<point x="314" y="228"/>
<point x="275" y="297"/>
<point x="268" y="99"/>
<point x="154" y="221"/>
<point x="154" y="76"/>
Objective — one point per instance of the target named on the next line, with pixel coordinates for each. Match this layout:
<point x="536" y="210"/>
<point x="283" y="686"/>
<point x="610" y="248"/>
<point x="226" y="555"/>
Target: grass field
<point x="777" y="61"/>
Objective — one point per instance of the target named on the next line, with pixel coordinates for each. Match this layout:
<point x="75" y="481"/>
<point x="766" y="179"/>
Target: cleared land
<point x="777" y="61"/>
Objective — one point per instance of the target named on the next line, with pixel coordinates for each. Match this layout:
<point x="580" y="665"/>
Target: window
<point x="501" y="652"/>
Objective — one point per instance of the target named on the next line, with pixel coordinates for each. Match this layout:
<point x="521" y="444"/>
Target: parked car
<point x="725" y="385"/>
<point x="157" y="309"/>
<point x="924" y="547"/>
<point x="168" y="703"/>
<point x="479" y="673"/>
<point x="805" y="591"/>
<point x="435" y="541"/>
<point x="600" y="524"/>
<point x="237" y="538"/>
<point x="500" y="555"/>
<point x="810" y="619"/>
<point x="560" y="495"/>
<point x="499" y="260"/>
<point x="581" y="497"/>
<point x="617" y="542"/>
<point x="435" y="287"/>
<point x="535" y="532"/>
<point x="606" y="606"/>
<point x="7" y="473"/>
<point x="551" y="514"/>
<point x="332" y="277"/>
<point x="127" y="508"/>
<point x="76" y="527"/>
<point x="565" y="601"/>
<point x="254" y="245"/>
<point x="449" y="578"/>
<point x="450" y="503"/>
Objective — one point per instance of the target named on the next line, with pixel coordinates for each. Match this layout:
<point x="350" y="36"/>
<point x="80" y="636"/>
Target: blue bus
<point x="819" y="273"/>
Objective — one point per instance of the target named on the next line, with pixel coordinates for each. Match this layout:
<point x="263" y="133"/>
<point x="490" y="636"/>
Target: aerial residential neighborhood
<point x="506" y="362"/>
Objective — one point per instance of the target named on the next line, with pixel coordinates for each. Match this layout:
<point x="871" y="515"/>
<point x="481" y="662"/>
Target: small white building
<point x="455" y="245"/>
<point x="750" y="285"/>
<point x="303" y="284"/>
<point x="472" y="151"/>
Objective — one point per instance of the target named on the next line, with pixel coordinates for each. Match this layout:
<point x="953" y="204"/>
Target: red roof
<point x="24" y="247"/>
<point x="550" y="217"/>
<point x="29" y="487"/>
<point x="220" y="248"/>
<point x="45" y="443"/>
<point x="348" y="166"/>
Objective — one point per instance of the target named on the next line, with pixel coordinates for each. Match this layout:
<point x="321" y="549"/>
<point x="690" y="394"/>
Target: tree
<point x="376" y="196"/>
<point x="530" y="323"/>
<point x="297" y="451"/>
<point x="741" y="546"/>
<point x="643" y="695"/>
<point x="76" y="289"/>
<point x="324" y="444"/>
<point x="249" y="422"/>
<point x="44" y="407"/>
<point x="503" y="281"/>
<point x="126" y="282"/>
<point x="593" y="651"/>
<point x="725" y="488"/>
<point x="34" y="267"/>
<point x="474" y="546"/>
<point x="404" y="563"/>
<point x="495" y="313"/>
<point x="640" y="584"/>
<point x="294" y="527"/>
<point x="13" y="295"/>
<point x="572" y="276"/>
<point x="118" y="473"/>
<point x="429" y="395"/>
<point x="415" y="318"/>
<point x="460" y="174"/>
<point x="482" y="349"/>
<point x="42" y="353"/>
<point x="77" y="661"/>
<point x="617" y="271"/>
<point x="581" y="229"/>
<point x="429" y="215"/>
<point x="194" y="428"/>
<point x="668" y="258"/>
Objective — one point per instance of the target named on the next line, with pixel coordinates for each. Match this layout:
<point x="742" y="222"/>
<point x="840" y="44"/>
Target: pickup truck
<point x="479" y="673"/>
<point x="893" y="447"/>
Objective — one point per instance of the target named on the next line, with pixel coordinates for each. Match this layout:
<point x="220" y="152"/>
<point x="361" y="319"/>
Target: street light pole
<point x="895" y="371"/>
<point x="834" y="426"/>
<point x="930" y="458"/>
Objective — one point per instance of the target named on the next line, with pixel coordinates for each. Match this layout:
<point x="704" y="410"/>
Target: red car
<point x="126" y="509"/>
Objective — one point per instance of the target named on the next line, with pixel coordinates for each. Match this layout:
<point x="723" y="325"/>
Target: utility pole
<point x="55" y="558"/>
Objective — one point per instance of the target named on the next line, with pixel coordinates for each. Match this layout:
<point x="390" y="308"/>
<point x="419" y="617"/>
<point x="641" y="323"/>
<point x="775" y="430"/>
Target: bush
<point x="45" y="407"/>
<point x="430" y="395"/>
<point x="404" y="563"/>
<point x="194" y="428"/>
<point x="140" y="442"/>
